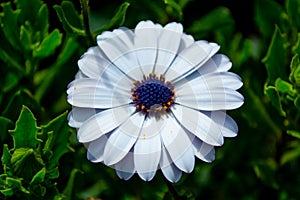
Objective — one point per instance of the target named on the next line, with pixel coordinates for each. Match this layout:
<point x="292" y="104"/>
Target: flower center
<point x="153" y="93"/>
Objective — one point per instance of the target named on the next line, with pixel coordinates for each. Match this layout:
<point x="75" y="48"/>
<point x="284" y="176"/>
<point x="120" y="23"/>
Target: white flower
<point x="153" y="98"/>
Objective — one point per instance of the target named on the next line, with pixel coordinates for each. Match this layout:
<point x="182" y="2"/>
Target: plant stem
<point x="85" y="13"/>
<point x="172" y="189"/>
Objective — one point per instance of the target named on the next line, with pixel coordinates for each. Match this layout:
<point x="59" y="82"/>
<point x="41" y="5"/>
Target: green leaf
<point x="6" y="158"/>
<point x="296" y="47"/>
<point x="69" y="187"/>
<point x="273" y="94"/>
<point x="267" y="13"/>
<point x="38" y="177"/>
<point x="289" y="156"/>
<point x="295" y="70"/>
<point x="216" y="20"/>
<point x="49" y="44"/>
<point x="293" y="9"/>
<point x="58" y="136"/>
<point x="25" y="38"/>
<point x="293" y="154"/>
<point x="240" y="49"/>
<point x="2" y="180"/>
<point x="5" y="124"/>
<point x="9" y="22"/>
<point x="11" y="80"/>
<point x="294" y="133"/>
<point x="174" y="8"/>
<point x="295" y="63"/>
<point x="7" y="192"/>
<point x="52" y="173"/>
<point x="35" y="14"/>
<point x="16" y="183"/>
<point x="10" y="56"/>
<point x="283" y="86"/>
<point x="29" y="11"/>
<point x="59" y="197"/>
<point x="43" y="20"/>
<point x="265" y="171"/>
<point x="24" y="134"/>
<point x="117" y="20"/>
<point x="26" y="162"/>
<point x="35" y="18"/>
<point x="69" y="28"/>
<point x="297" y="102"/>
<point x="16" y="102"/>
<point x="276" y="58"/>
<point x="183" y="3"/>
<point x="45" y="78"/>
<point x="72" y="15"/>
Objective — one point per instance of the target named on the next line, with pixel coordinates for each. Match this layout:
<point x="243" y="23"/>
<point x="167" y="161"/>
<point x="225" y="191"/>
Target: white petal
<point x="77" y="116"/>
<point x="204" y="151"/>
<point x="122" y="139"/>
<point x="112" y="77"/>
<point x="199" y="124"/>
<point x="117" y="147"/>
<point x="80" y="75"/>
<point x="190" y="59"/>
<point x="186" y="41"/>
<point x="125" y="35"/>
<point x="124" y="175"/>
<point x="103" y="122"/>
<point x="210" y="81"/>
<point x="216" y="99"/>
<point x="125" y="168"/>
<point x="147" y="176"/>
<point x="92" y="64"/>
<point x="147" y="156"/>
<point x="96" y="149"/>
<point x="218" y="62"/>
<point x="168" y="44"/>
<point x="170" y="171"/>
<point x="232" y="80"/>
<point x="91" y="93"/>
<point x="147" y="149"/>
<point x="178" y="144"/>
<point x="187" y="161"/>
<point x="229" y="127"/>
<point x="118" y="47"/>
<point x="147" y="24"/>
<point x="95" y="51"/>
<point x="228" y="80"/>
<point x="210" y="92"/>
<point x="145" y="45"/>
<point x="99" y="68"/>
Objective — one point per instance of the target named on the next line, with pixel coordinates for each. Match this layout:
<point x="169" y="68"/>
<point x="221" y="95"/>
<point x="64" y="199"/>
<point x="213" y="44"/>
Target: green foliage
<point x="31" y="166"/>
<point x="26" y="41"/>
<point x="41" y="42"/>
<point x="29" y="26"/>
<point x="117" y="20"/>
<point x="49" y="44"/>
<point x="66" y="11"/>
<point x="282" y="85"/>
<point x="216" y="21"/>
<point x="277" y="49"/>
<point x="282" y="63"/>
<point x="25" y="132"/>
<point x="78" y="24"/>
<point x="268" y="13"/>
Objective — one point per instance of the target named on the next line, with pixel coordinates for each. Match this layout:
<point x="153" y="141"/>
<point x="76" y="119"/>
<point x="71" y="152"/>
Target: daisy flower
<point x="153" y="98"/>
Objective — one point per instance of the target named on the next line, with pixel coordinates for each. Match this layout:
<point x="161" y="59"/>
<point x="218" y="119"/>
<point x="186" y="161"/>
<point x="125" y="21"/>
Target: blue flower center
<point x="153" y="92"/>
